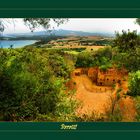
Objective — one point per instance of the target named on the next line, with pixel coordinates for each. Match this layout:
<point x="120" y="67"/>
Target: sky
<point x="109" y="25"/>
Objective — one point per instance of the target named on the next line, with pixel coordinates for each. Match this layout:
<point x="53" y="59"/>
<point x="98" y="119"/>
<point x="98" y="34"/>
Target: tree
<point x="126" y="51"/>
<point x="127" y="41"/>
<point x="138" y="21"/>
<point x="33" y="23"/>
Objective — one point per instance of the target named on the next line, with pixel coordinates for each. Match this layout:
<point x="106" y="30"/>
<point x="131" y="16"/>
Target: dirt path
<point x="91" y="101"/>
<point x="96" y="99"/>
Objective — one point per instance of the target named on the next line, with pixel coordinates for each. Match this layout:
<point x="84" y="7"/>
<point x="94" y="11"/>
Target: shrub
<point x="31" y="83"/>
<point x="134" y="83"/>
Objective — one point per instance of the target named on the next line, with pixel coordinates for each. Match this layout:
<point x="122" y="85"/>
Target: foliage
<point x="125" y="53"/>
<point x="134" y="83"/>
<point x="126" y="59"/>
<point x="116" y="116"/>
<point x="138" y="21"/>
<point x="84" y="59"/>
<point x="32" y="84"/>
<point x="33" y="23"/>
<point x="127" y="41"/>
<point x="99" y="58"/>
<point x="137" y="104"/>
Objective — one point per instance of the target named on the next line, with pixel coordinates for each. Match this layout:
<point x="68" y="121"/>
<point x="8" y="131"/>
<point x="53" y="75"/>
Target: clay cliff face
<point x="102" y="78"/>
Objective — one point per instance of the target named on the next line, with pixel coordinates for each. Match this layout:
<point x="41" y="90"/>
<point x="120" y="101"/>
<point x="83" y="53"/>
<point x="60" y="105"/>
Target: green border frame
<point x="70" y="12"/>
<point x="70" y="9"/>
<point x="52" y="130"/>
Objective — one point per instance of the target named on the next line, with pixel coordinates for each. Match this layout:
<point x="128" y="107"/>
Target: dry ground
<point x="89" y="48"/>
<point x="97" y="99"/>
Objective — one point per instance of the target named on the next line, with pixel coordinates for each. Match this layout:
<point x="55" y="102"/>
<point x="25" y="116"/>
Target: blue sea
<point x="15" y="43"/>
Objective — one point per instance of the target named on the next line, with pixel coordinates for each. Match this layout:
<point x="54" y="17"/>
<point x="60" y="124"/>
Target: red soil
<point x="96" y="99"/>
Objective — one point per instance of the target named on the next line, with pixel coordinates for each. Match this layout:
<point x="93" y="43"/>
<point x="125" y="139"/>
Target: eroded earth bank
<point x="103" y="94"/>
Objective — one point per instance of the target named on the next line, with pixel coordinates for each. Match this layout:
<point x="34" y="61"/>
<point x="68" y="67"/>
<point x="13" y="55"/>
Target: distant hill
<point x="80" y="33"/>
<point x="38" y="35"/>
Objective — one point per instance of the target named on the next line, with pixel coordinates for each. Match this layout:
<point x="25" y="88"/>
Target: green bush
<point x="134" y="84"/>
<point x="101" y="58"/>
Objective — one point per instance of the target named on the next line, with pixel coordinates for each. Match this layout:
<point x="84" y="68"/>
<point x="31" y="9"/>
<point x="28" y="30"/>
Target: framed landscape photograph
<point x="69" y="70"/>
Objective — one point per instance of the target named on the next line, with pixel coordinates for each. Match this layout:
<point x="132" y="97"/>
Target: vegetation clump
<point x="32" y="85"/>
